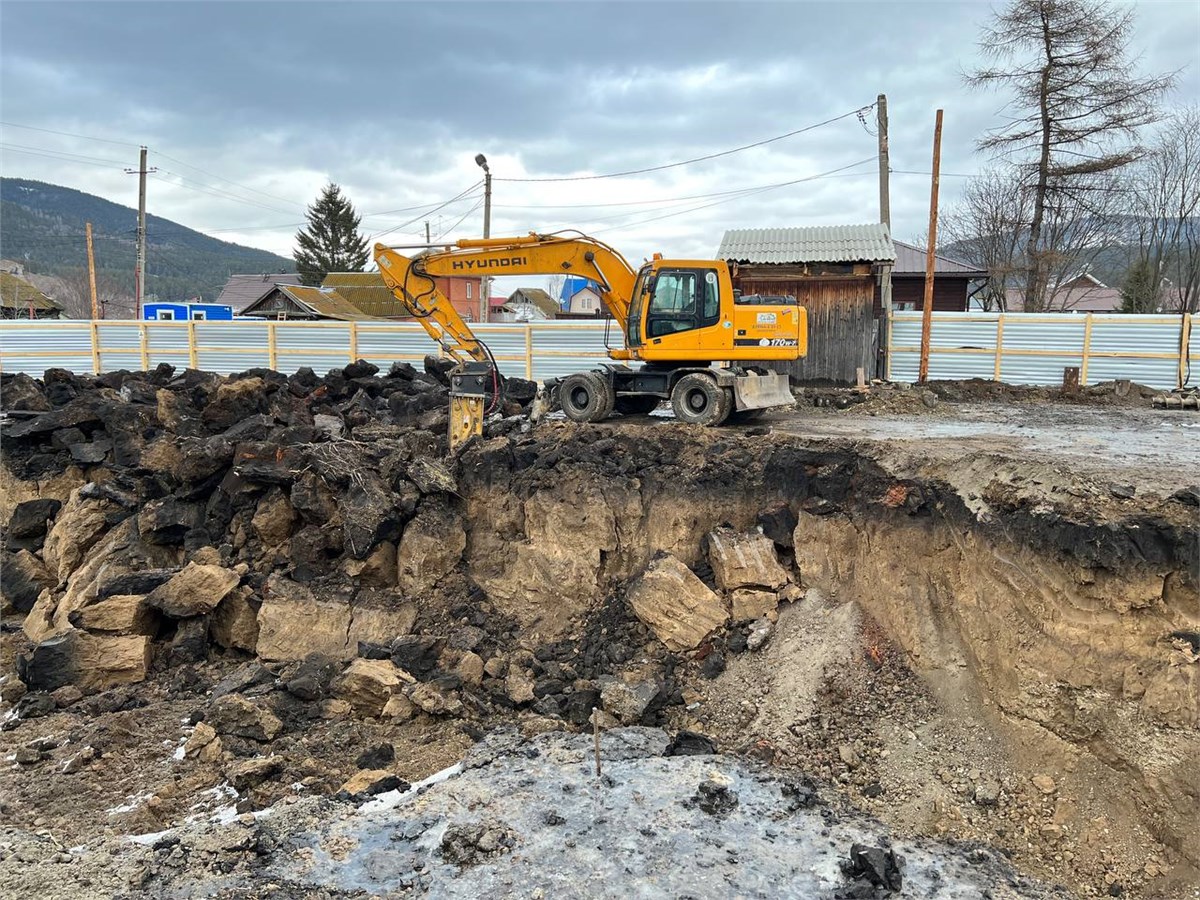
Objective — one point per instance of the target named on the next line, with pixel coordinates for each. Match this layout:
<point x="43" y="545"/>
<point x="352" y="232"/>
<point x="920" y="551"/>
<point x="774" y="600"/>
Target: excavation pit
<point x="992" y="648"/>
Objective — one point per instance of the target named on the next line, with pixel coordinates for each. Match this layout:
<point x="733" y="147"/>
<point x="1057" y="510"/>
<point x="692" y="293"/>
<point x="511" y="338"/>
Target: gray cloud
<point x="394" y="100"/>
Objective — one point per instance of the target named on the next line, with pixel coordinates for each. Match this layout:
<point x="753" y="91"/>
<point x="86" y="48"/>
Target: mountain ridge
<point x="42" y="225"/>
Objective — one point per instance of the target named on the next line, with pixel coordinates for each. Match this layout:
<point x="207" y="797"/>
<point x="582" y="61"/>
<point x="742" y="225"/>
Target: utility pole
<point x="481" y="161"/>
<point x="885" y="201"/>
<point x="139" y="277"/>
<point x="92" y="272"/>
<point x="927" y="306"/>
<point x="885" y="216"/>
<point x="427" y="231"/>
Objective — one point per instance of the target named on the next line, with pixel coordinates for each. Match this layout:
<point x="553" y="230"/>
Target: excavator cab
<point x="686" y="310"/>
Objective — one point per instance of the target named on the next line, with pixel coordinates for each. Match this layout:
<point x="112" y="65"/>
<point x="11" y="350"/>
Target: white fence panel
<point x="539" y="349"/>
<point x="1034" y="348"/>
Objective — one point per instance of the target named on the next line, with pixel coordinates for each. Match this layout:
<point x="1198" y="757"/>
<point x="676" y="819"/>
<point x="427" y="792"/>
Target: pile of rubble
<point x="314" y="526"/>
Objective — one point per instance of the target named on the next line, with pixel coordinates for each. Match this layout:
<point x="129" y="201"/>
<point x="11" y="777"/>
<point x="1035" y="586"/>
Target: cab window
<point x="673" y="306"/>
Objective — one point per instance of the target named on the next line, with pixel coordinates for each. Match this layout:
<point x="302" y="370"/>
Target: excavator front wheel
<point x="586" y="397"/>
<point x="698" y="400"/>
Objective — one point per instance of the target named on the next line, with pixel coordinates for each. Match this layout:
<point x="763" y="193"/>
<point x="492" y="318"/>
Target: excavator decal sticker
<point x="767" y="342"/>
<point x="501" y="263"/>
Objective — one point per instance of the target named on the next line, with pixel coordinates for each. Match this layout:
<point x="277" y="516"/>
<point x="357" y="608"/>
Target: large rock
<point x="79" y="525"/>
<point x="119" y="614"/>
<point x="369" y="516"/>
<point x="628" y="701"/>
<point x="194" y="590"/>
<point x="292" y="623"/>
<point x="234" y="401"/>
<point x="274" y="518"/>
<point x="432" y="545"/>
<point x="742" y="560"/>
<point x="748" y="604"/>
<point x="22" y="578"/>
<point x="675" y="604"/>
<point x="166" y="521"/>
<point x="234" y="714"/>
<point x="92" y="662"/>
<point x="368" y="684"/>
<point x="234" y="623"/>
<point x="30" y="521"/>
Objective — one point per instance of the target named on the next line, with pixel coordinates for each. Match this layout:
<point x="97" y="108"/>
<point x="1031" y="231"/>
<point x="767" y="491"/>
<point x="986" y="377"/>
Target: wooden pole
<point x="881" y="120"/>
<point x="927" y="306"/>
<point x="92" y="272"/>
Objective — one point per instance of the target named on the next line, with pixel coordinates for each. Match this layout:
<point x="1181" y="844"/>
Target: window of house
<point x="166" y="315"/>
<point x="469" y="290"/>
<point x="199" y="315"/>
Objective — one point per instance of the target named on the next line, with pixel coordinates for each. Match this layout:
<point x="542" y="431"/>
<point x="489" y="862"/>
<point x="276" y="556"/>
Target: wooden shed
<point x="835" y="272"/>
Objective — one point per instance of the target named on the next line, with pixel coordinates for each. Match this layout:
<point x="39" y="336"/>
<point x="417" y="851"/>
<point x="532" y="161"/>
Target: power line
<point x="688" y="162"/>
<point x="461" y="195"/>
<point x="226" y="180"/>
<point x="831" y="173"/>
<point x="200" y="187"/>
<point x="69" y="134"/>
<point x="446" y="231"/>
<point x="63" y="156"/>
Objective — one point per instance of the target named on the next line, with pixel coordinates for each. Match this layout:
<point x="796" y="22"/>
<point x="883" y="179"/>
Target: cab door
<point x="683" y="301"/>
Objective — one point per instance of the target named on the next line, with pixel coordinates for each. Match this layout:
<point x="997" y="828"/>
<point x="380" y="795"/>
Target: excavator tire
<point x="637" y="405"/>
<point x="585" y="397"/>
<point x="698" y="400"/>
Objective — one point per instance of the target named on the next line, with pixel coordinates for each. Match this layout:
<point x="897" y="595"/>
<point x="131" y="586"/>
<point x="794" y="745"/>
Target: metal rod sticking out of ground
<point x="596" y="737"/>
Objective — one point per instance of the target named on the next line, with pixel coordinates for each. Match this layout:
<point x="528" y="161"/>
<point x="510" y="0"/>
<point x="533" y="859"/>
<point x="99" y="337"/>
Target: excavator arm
<point x="411" y="280"/>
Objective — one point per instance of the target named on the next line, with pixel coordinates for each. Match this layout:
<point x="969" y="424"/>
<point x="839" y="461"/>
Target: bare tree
<point x="554" y="286"/>
<point x="988" y="226"/>
<point x="1167" y="213"/>
<point x="75" y="296"/>
<point x="1077" y="104"/>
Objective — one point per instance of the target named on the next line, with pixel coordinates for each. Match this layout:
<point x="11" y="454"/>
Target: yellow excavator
<point x="697" y="340"/>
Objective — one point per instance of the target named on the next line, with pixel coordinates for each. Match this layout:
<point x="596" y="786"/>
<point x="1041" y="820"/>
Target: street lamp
<point x="484" y="291"/>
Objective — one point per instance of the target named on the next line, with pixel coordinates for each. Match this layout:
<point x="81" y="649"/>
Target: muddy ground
<point x="982" y="633"/>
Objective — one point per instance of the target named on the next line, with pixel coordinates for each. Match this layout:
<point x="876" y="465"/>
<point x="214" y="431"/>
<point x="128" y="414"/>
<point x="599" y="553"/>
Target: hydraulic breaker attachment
<point x="468" y="393"/>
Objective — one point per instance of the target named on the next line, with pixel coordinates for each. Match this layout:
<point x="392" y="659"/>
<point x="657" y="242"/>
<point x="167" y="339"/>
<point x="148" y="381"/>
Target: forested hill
<point x="42" y="225"/>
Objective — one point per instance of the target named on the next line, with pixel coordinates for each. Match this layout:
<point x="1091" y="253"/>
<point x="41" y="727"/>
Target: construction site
<point x="268" y="636"/>
<point x="445" y="550"/>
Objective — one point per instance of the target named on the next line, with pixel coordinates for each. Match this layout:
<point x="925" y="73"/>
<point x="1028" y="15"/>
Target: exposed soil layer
<point x="993" y="648"/>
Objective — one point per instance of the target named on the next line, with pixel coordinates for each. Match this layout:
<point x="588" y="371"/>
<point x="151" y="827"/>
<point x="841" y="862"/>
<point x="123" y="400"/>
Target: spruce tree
<point x="1139" y="293"/>
<point x="331" y="242"/>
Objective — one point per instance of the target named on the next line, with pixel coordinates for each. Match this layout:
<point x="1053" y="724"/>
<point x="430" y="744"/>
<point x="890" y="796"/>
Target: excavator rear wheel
<point x="585" y="397"/>
<point x="698" y="400"/>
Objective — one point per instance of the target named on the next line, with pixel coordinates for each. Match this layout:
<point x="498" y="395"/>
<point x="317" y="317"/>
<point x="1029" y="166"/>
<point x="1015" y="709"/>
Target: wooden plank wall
<point x="843" y="332"/>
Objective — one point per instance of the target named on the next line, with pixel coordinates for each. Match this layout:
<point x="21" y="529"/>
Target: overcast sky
<point x="249" y="108"/>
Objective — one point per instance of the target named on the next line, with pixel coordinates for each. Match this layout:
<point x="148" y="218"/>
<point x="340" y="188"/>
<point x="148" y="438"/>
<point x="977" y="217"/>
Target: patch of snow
<point x="132" y="803"/>
<point x="148" y="839"/>
<point x="392" y="799"/>
<point x="178" y="754"/>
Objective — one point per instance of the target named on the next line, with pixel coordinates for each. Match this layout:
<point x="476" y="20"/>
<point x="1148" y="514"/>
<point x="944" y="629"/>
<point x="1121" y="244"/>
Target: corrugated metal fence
<point x="1034" y="348"/>
<point x="536" y="350"/>
<point x="1020" y="348"/>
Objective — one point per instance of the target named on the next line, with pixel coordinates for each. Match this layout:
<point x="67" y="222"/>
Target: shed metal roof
<point x="241" y="291"/>
<point x="910" y="260"/>
<point x="813" y="244"/>
<point x="367" y="292"/>
<point x="17" y="293"/>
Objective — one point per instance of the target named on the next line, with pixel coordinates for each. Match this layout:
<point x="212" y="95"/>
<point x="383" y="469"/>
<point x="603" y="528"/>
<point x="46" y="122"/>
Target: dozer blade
<point x="752" y="391"/>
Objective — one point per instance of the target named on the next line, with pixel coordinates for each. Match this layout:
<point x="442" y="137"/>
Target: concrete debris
<point x="235" y="715"/>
